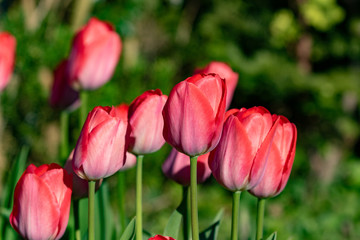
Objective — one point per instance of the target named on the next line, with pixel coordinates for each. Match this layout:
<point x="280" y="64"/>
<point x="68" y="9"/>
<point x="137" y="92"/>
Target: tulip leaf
<point x="103" y="209"/>
<point x="211" y="232"/>
<point x="273" y="236"/>
<point x="129" y="231"/>
<point x="173" y="225"/>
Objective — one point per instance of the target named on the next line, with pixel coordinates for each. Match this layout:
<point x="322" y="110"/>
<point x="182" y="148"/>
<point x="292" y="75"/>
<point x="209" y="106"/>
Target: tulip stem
<point x="193" y="196"/>
<point x="235" y="215"/>
<point x="91" y="209"/>
<point x="186" y="213"/>
<point x="83" y="108"/>
<point x="64" y="125"/>
<point x="139" y="162"/>
<point x="77" y="219"/>
<point x="121" y="196"/>
<point x="260" y="218"/>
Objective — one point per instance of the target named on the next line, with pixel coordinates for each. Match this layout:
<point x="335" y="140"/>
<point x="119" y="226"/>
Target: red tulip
<point x="95" y="52"/>
<point x="42" y="201"/>
<point x="177" y="168"/>
<point x="80" y="186"/>
<point x="7" y="58"/>
<point x="100" y="149"/>
<point x="62" y="95"/>
<point x="224" y="71"/>
<point x="146" y="122"/>
<point x="159" y="237"/>
<point x="239" y="160"/>
<point x="194" y="114"/>
<point x="281" y="158"/>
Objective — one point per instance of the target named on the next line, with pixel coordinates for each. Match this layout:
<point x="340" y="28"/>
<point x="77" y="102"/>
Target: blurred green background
<point x="297" y="58"/>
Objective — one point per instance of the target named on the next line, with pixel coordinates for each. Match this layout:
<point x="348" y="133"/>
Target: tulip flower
<point x="194" y="114"/>
<point x="239" y="160"/>
<point x="224" y="71"/>
<point x="280" y="161"/>
<point x="94" y="54"/>
<point x="80" y="187"/>
<point x="7" y="58"/>
<point x="146" y="122"/>
<point x="62" y="95"/>
<point x="100" y="149"/>
<point x="159" y="237"/>
<point x="42" y="201"/>
<point x="177" y="168"/>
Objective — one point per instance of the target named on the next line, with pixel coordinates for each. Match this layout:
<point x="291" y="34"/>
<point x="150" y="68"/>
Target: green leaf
<point x="211" y="232"/>
<point x="129" y="232"/>
<point x="103" y="209"/>
<point x="173" y="226"/>
<point x="273" y="236"/>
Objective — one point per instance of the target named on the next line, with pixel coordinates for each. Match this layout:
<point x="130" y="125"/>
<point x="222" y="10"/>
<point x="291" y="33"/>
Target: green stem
<point x="91" y="210"/>
<point x="64" y="126"/>
<point x="83" y="108"/>
<point x="77" y="219"/>
<point x="235" y="215"/>
<point x="139" y="162"/>
<point x="260" y="218"/>
<point x="193" y="196"/>
<point x="121" y="197"/>
<point x="187" y="213"/>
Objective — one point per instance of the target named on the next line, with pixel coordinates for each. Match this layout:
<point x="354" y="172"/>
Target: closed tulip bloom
<point x="146" y="122"/>
<point x="224" y="71"/>
<point x="80" y="187"/>
<point x="100" y="149"/>
<point x="159" y="237"/>
<point x="281" y="158"/>
<point x="7" y="58"/>
<point x="177" y="168"/>
<point x="239" y="160"/>
<point x="42" y="201"/>
<point x="194" y="114"/>
<point x="62" y="95"/>
<point x="94" y="54"/>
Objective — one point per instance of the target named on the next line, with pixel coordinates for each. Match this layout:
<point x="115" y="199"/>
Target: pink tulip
<point x="281" y="158"/>
<point x="239" y="160"/>
<point x="146" y="122"/>
<point x="62" y="95"/>
<point x="42" y="201"/>
<point x="95" y="52"/>
<point x="159" y="237"/>
<point x="224" y="71"/>
<point x="194" y="114"/>
<point x="80" y="186"/>
<point x="177" y="168"/>
<point x="7" y="58"/>
<point x="100" y="149"/>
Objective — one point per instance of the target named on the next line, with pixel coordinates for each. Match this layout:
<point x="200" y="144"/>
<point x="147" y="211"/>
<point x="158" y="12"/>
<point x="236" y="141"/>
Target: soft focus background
<point x="297" y="58"/>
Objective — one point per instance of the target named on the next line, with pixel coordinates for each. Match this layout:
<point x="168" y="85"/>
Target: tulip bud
<point x="42" y="201"/>
<point x="100" y="149"/>
<point x="177" y="168"/>
<point x="146" y="122"/>
<point x="239" y="160"/>
<point x="62" y="95"/>
<point x="280" y="161"/>
<point x="224" y="71"/>
<point x="80" y="186"/>
<point x="159" y="237"/>
<point x="194" y="114"/>
<point x="94" y="54"/>
<point x="7" y="58"/>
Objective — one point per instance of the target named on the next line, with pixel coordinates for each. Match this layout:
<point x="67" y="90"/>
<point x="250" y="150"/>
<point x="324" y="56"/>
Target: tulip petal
<point x="36" y="213"/>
